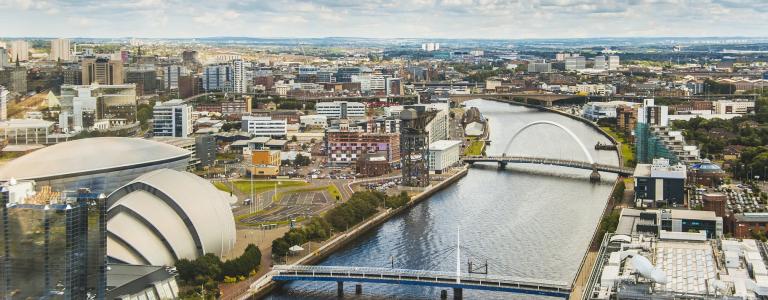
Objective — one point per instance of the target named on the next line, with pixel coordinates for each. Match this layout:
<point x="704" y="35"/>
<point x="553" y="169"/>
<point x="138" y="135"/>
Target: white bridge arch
<point x="558" y="125"/>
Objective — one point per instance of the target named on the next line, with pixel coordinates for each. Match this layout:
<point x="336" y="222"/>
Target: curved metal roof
<point x="176" y="213"/>
<point x="90" y="155"/>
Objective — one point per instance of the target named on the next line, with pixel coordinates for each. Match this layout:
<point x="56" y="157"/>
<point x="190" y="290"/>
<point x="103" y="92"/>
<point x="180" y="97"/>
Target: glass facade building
<point x="54" y="250"/>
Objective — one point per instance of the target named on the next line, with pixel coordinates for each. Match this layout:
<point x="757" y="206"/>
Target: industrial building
<point x="166" y="215"/>
<point x="100" y="164"/>
<point x="654" y="222"/>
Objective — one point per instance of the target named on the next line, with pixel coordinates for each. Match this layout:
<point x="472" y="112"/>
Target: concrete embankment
<point x="263" y="286"/>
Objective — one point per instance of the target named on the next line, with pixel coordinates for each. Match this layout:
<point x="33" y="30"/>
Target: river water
<point x="528" y="220"/>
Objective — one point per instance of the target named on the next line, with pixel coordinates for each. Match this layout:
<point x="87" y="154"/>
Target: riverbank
<point x="578" y="118"/>
<point x="264" y="285"/>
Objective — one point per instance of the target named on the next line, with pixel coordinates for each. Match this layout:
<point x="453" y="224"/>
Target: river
<point x="528" y="220"/>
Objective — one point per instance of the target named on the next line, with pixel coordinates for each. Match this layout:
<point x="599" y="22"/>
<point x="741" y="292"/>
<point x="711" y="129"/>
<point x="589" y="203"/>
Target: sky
<point x="497" y="19"/>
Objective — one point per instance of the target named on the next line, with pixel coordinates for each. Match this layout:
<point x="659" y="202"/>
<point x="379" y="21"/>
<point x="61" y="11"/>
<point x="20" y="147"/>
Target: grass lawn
<point x="627" y="151"/>
<point x="222" y="186"/>
<point x="260" y="186"/>
<point x="475" y="148"/>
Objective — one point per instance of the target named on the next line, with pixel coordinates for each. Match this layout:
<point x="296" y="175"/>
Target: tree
<point x="302" y="160"/>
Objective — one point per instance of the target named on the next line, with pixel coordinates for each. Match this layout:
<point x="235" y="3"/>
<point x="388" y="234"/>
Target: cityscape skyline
<point x="406" y="19"/>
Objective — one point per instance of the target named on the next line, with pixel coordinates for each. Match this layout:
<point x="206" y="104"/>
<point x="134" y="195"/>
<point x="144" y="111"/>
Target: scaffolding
<point x="649" y="146"/>
<point x="414" y="148"/>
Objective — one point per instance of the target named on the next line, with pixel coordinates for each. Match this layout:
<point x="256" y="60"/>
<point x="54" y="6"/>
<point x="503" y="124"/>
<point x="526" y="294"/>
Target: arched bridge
<point x="421" y="278"/>
<point x="504" y="160"/>
<point x="590" y="164"/>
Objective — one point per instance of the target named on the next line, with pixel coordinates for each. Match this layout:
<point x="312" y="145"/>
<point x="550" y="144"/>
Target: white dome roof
<point x="167" y="215"/>
<point x="90" y="155"/>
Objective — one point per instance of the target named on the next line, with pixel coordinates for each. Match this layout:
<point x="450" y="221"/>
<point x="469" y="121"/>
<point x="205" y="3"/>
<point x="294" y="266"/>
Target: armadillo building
<point x="167" y="215"/>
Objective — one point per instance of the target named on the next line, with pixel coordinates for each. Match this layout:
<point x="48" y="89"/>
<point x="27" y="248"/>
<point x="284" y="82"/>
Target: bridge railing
<point x="356" y="271"/>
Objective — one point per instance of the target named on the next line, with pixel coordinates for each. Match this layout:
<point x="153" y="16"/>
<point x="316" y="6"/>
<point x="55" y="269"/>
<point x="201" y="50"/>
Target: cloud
<point x="386" y="18"/>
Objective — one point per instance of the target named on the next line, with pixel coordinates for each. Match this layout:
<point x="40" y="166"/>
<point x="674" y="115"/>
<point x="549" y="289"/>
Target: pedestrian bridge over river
<point x="458" y="282"/>
<point x="589" y="164"/>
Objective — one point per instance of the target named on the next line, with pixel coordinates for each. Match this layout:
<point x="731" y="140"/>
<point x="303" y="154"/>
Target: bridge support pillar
<point x="502" y="165"/>
<point x="358" y="289"/>
<point x="340" y="288"/>
<point x="595" y="176"/>
<point x="458" y="293"/>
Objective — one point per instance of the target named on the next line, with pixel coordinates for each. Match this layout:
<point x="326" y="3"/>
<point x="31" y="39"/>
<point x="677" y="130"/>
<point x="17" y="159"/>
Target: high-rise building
<point x="60" y="50"/>
<point x="171" y="75"/>
<point x="20" y="50"/>
<point x="601" y="63"/>
<point x="344" y="74"/>
<point x="54" y="244"/>
<point x="102" y="71"/>
<point x="394" y="86"/>
<point x="653" y="115"/>
<point x="613" y="62"/>
<point x="14" y="78"/>
<point x="189" y="56"/>
<point x="72" y="74"/>
<point x="217" y="77"/>
<point x="575" y="63"/>
<point x="172" y="118"/>
<point x="238" y="76"/>
<point x="539" y="67"/>
<point x="3" y="103"/>
<point x="144" y="76"/>
<point x="5" y="58"/>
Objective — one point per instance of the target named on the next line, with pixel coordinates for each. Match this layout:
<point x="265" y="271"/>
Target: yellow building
<point x="265" y="162"/>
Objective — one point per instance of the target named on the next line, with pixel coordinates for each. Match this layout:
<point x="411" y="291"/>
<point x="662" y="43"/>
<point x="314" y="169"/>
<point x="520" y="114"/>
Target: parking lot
<point x="740" y="199"/>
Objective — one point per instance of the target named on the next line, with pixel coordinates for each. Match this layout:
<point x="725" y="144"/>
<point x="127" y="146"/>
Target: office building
<point x="345" y="146"/>
<point x="90" y="103"/>
<point x="171" y="75"/>
<point x="656" y="222"/>
<point x="660" y="183"/>
<point x="443" y="155"/>
<point x="217" y="77"/>
<point x="60" y="50"/>
<point x="166" y="215"/>
<point x="742" y="106"/>
<point x="264" y="126"/>
<point x="5" y="58"/>
<point x="102" y="71"/>
<point x="263" y="162"/>
<point x="100" y="164"/>
<point x="144" y="77"/>
<point x="202" y="149"/>
<point x="189" y="86"/>
<point x="575" y="63"/>
<point x="72" y="74"/>
<point x="599" y="110"/>
<point x="341" y="109"/>
<point x="344" y="74"/>
<point x="172" y="118"/>
<point x="27" y="132"/>
<point x="429" y="47"/>
<point x="19" y="51"/>
<point x="313" y="121"/>
<point x="394" y="86"/>
<point x="53" y="244"/>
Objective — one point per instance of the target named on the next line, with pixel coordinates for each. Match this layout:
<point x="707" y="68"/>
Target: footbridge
<point x="452" y="280"/>
<point x="589" y="164"/>
<point x="503" y="160"/>
<point x="544" y="98"/>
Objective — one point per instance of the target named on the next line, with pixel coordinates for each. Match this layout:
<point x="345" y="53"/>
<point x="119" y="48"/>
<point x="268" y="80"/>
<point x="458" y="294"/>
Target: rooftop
<point x="443" y="145"/>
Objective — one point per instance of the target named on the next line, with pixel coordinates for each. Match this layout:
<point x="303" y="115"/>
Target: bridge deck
<point x="423" y="278"/>
<point x="549" y="161"/>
